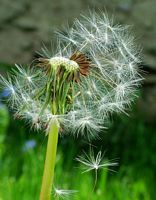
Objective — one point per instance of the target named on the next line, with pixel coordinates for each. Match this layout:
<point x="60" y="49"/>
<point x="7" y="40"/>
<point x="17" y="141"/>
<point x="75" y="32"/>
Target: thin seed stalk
<point x="49" y="166"/>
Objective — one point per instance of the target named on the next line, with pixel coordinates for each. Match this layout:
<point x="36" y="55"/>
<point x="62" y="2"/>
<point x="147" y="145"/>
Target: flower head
<point x="91" y="74"/>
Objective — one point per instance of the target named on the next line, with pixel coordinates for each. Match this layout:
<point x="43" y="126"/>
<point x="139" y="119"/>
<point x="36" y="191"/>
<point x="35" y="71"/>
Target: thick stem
<point x="49" y="166"/>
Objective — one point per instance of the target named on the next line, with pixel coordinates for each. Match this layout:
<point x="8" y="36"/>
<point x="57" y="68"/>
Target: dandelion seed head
<point x="92" y="73"/>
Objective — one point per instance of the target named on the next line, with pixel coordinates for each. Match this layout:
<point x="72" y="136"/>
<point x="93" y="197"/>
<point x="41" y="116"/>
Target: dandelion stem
<point x="49" y="166"/>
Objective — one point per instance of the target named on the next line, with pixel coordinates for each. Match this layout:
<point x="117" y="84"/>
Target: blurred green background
<point x="24" y="26"/>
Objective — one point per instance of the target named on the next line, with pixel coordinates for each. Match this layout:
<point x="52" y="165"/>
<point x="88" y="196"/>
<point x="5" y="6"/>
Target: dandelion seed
<point x="95" y="163"/>
<point x="92" y="162"/>
<point x="63" y="194"/>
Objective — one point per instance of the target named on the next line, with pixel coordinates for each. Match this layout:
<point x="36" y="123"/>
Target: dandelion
<point x="95" y="163"/>
<point x="91" y="162"/>
<point x="90" y="75"/>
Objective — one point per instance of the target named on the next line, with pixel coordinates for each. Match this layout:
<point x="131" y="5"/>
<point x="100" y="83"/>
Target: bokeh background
<point x="26" y="25"/>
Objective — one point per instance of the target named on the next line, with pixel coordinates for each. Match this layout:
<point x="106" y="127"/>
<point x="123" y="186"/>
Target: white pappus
<point x="92" y="73"/>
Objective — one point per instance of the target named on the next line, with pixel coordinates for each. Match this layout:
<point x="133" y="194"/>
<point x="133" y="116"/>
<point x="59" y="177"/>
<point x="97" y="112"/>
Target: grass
<point x="27" y="185"/>
<point x="130" y="139"/>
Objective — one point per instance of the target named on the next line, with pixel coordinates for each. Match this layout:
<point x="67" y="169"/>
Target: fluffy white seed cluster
<point x="110" y="85"/>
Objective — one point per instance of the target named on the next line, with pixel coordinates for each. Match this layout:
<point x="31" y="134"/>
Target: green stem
<point x="49" y="166"/>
